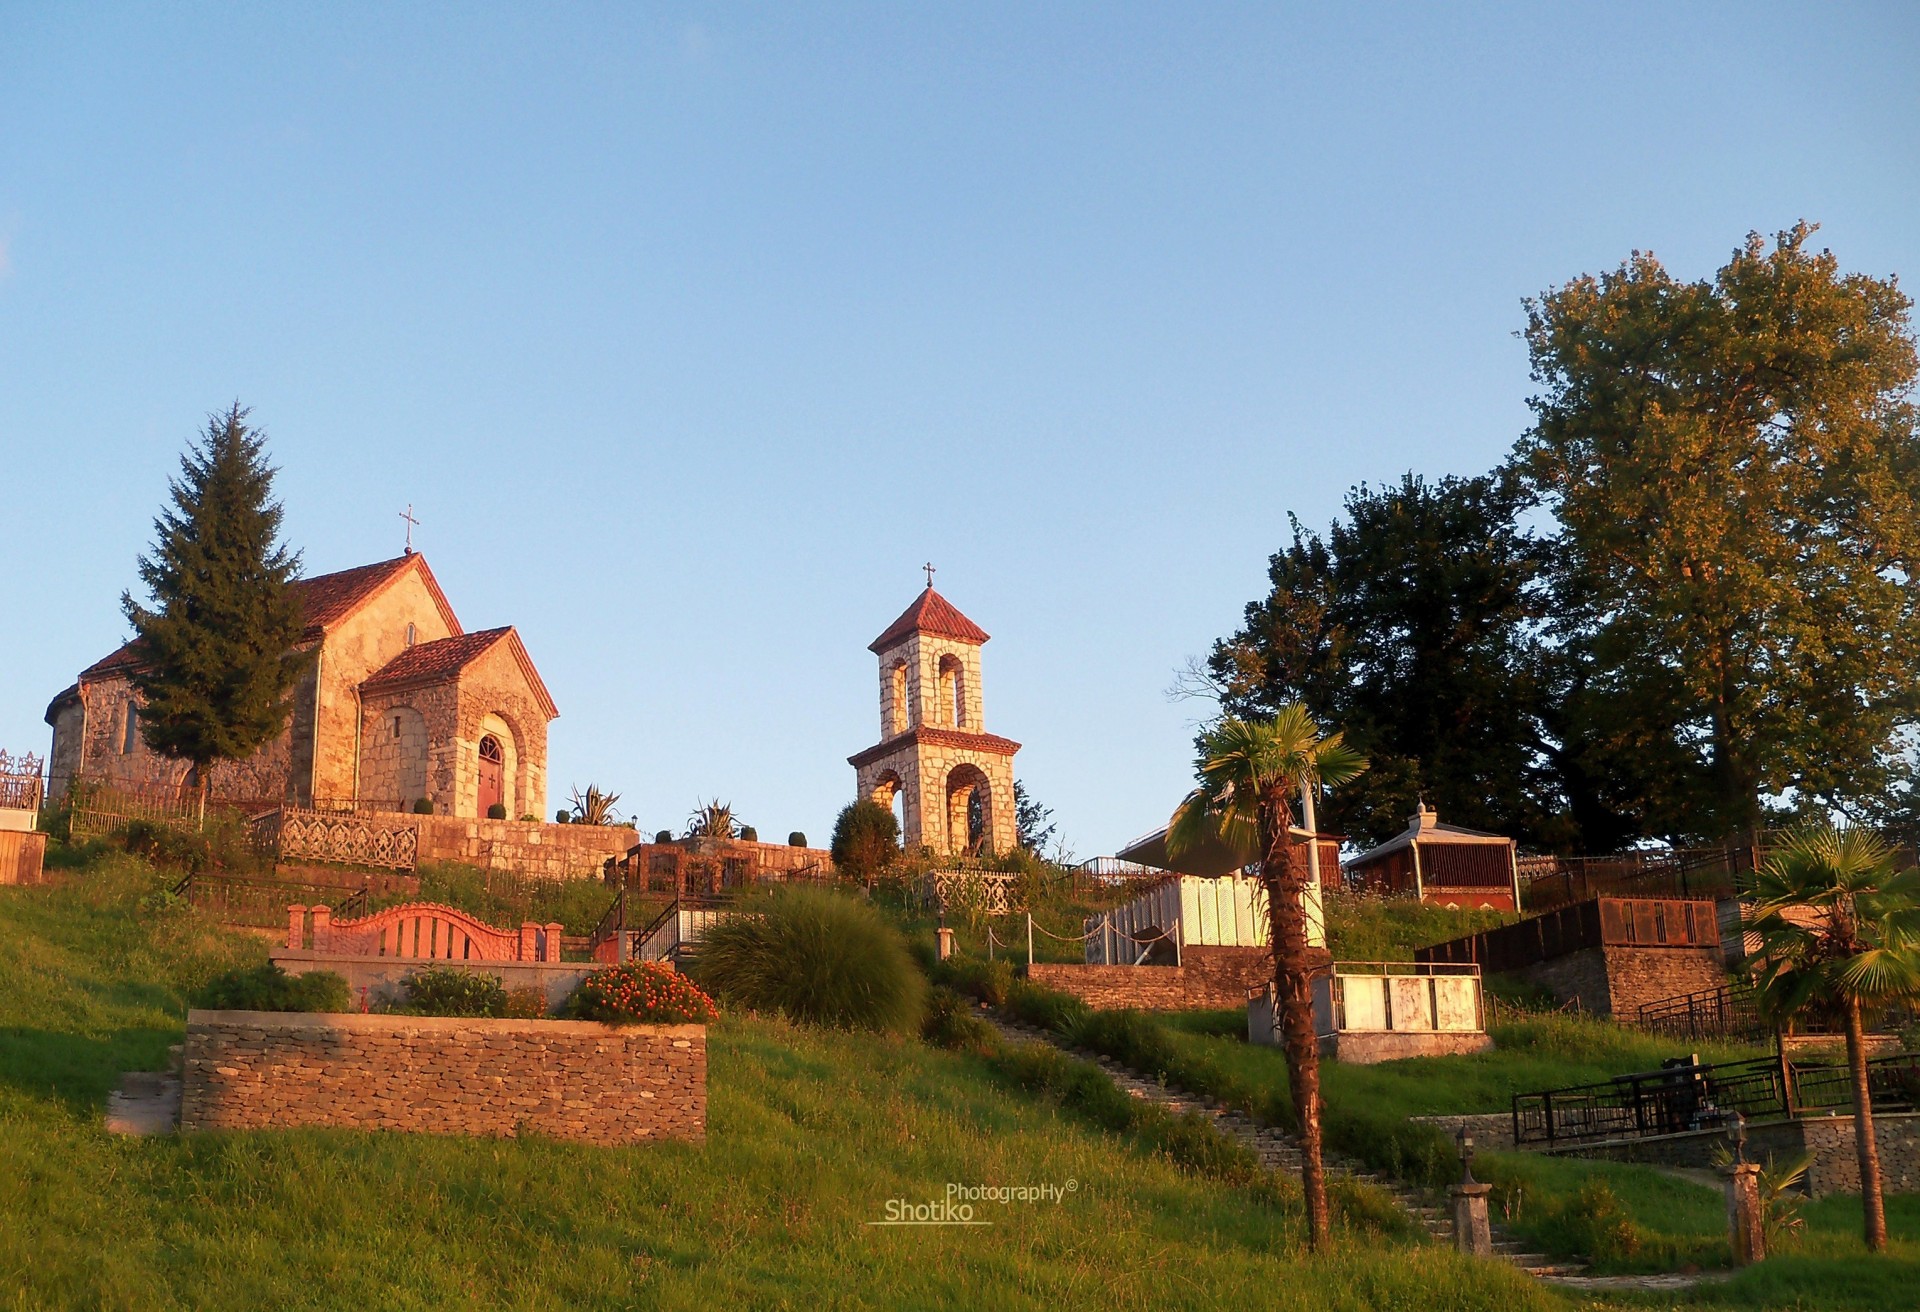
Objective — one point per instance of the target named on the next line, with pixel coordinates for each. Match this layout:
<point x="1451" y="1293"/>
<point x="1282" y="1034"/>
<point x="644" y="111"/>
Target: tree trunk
<point x="1293" y="983"/>
<point x="1872" y="1203"/>
<point x="200" y="790"/>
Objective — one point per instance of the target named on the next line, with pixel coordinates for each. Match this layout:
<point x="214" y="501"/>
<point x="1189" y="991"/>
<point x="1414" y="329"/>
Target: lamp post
<point x="1745" y="1223"/>
<point x="1472" y="1232"/>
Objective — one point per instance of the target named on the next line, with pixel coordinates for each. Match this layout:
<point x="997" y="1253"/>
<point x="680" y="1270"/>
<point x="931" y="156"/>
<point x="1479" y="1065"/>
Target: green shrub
<point x="818" y="957"/>
<point x="1593" y="1223"/>
<point x="444" y="991"/>
<point x="748" y="834"/>
<point x="663" y="836"/>
<point x="563" y="816"/>
<point x="866" y="840"/>
<point x="796" y="839"/>
<point x="642" y="993"/>
<point x="423" y="806"/>
<point x="530" y="818"/>
<point x="498" y="811"/>
<point x="951" y="1022"/>
<point x="168" y="846"/>
<point x="269" y="988"/>
<point x="978" y="978"/>
<point x="1044" y="1007"/>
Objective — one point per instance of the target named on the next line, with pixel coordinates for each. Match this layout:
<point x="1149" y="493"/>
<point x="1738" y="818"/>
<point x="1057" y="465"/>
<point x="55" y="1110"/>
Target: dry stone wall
<point x="545" y="851"/>
<point x="1618" y="981"/>
<point x="576" y="1080"/>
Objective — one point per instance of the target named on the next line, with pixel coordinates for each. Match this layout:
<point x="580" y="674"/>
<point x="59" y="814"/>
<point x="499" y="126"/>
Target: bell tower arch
<point x="934" y="751"/>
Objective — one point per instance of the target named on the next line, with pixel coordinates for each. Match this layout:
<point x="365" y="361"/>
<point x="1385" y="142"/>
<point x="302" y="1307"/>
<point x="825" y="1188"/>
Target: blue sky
<point x="690" y="332"/>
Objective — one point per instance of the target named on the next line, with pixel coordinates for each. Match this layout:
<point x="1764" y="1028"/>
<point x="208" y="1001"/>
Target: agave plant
<point x="593" y="807"/>
<point x="712" y="820"/>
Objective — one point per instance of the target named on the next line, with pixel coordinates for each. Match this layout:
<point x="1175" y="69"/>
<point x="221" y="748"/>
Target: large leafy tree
<point x="1250" y="771"/>
<point x="1414" y="624"/>
<point x="1735" y="469"/>
<point x="217" y="647"/>
<point x="1839" y="932"/>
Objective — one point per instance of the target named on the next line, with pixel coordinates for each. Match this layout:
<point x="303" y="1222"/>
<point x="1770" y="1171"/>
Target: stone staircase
<point x="1279" y="1151"/>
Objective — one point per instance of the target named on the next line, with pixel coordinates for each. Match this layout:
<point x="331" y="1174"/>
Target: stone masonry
<point x="577" y="1080"/>
<point x="1618" y="981"/>
<point x="934" y="754"/>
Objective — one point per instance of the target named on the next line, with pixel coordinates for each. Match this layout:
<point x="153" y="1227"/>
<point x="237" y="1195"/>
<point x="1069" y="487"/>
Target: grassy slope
<point x="810" y="1134"/>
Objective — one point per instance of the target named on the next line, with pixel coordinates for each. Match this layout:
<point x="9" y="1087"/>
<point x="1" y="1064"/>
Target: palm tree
<point x="1250" y="772"/>
<point x="1839" y="932"/>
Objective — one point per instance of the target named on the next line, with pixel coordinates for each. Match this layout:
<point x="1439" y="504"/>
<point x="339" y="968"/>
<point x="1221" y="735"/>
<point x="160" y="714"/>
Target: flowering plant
<point x="642" y="992"/>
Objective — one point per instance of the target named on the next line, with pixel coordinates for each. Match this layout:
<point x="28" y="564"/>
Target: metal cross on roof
<point x="928" y="567"/>
<point x="412" y="524"/>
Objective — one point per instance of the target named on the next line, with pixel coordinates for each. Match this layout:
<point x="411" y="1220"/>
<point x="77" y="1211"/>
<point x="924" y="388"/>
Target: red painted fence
<point x="422" y="931"/>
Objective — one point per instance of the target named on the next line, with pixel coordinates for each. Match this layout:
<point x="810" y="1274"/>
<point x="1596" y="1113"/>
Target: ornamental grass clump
<point x="641" y="993"/>
<point x="817" y="957"/>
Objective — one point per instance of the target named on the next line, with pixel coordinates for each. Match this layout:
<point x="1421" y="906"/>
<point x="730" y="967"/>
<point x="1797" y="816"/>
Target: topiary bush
<point x="444" y="991"/>
<point x="663" y="836"/>
<point x="748" y="834"/>
<point x="641" y="993"/>
<point x="866" y="840"/>
<point x="796" y="839"/>
<point x="563" y="816"/>
<point x="818" y="957"/>
<point x="423" y="806"/>
<point x="269" y="988"/>
<point x="498" y="811"/>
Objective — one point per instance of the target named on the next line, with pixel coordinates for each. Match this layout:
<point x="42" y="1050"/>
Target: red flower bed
<point x="642" y="992"/>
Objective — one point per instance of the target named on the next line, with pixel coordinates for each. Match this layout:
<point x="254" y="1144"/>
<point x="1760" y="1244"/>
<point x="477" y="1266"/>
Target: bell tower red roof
<point x="934" y="614"/>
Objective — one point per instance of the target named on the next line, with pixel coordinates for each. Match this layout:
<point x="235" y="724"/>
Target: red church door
<point x="493" y="775"/>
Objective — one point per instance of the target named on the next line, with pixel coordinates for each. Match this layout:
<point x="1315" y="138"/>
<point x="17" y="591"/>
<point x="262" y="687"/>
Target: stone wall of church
<point x="355" y="648"/>
<point x="495" y="686"/>
<point x="394" y="745"/>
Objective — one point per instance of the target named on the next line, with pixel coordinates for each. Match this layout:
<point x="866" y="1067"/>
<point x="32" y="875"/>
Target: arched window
<point x="896" y="699"/>
<point x="490" y="750"/>
<point x="410" y="633"/>
<point x="130" y="732"/>
<point x="951" y="709"/>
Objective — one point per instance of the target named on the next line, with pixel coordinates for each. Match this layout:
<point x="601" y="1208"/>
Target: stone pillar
<point x="1472" y="1233"/>
<point x="323" y="929"/>
<point x="529" y="940"/>
<point x="944" y="936"/>
<point x="1743" y="1214"/>
<point x="554" y="931"/>
<point x="296" y="927"/>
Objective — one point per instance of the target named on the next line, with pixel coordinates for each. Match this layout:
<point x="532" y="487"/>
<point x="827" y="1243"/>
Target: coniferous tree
<point x="217" y="648"/>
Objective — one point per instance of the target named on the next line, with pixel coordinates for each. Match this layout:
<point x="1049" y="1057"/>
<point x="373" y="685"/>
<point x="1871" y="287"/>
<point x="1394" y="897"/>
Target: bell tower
<point x="934" y="751"/>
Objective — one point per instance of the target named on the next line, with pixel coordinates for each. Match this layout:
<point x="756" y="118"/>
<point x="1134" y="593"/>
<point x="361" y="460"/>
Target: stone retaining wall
<point x="1618" y="981"/>
<point x="1207" y="978"/>
<point x="527" y="847"/>
<point x="578" y="1080"/>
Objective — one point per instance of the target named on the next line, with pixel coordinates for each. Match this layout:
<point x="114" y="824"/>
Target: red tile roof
<point x="930" y="613"/>
<point x="429" y="662"/>
<point x="325" y="600"/>
<point x="990" y="743"/>
<point x="426" y="661"/>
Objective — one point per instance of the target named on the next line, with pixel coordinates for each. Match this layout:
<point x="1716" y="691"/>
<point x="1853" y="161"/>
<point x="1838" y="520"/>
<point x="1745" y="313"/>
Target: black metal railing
<point x="1726" y="1012"/>
<point x="1685" y="1095"/>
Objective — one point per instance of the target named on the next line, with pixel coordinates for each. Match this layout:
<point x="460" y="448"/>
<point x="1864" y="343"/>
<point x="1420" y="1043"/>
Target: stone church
<point x="952" y="779"/>
<point x="398" y="703"/>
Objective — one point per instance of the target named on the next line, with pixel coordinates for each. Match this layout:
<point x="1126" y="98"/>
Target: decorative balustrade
<point x="420" y="931"/>
<point x="348" y="839"/>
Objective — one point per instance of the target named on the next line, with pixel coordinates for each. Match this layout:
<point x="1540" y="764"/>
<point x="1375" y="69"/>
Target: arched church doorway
<point x="493" y="775"/>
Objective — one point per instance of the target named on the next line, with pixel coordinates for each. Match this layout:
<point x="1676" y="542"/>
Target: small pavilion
<point x="1443" y="865"/>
